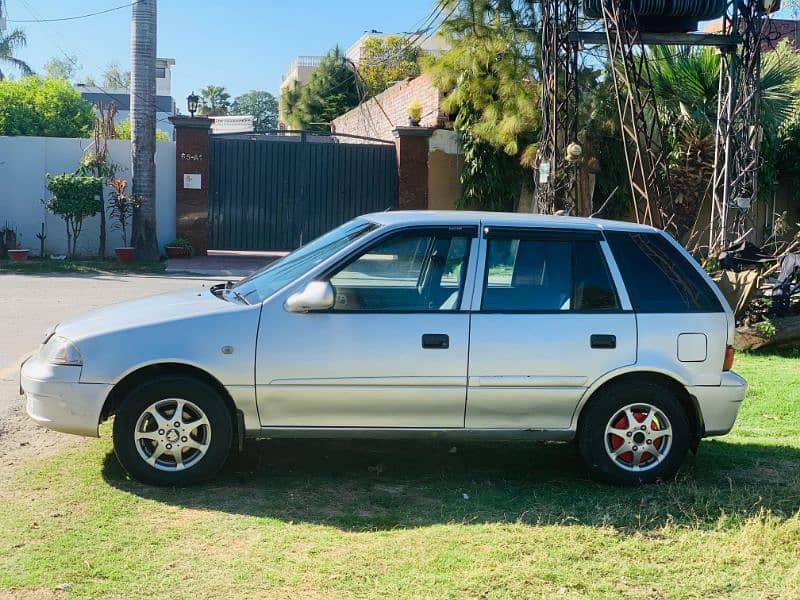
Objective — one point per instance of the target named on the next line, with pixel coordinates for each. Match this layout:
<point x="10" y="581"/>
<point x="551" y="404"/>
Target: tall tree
<point x="143" y="126"/>
<point x="9" y="43"/>
<point x="331" y="91"/>
<point x="263" y="106"/>
<point x="62" y="68"/>
<point x="115" y="78"/>
<point x="214" y="101"/>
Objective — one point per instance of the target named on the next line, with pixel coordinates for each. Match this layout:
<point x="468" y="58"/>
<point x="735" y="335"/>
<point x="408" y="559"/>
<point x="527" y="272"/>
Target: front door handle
<point x="438" y="341"/>
<point x="603" y="340"/>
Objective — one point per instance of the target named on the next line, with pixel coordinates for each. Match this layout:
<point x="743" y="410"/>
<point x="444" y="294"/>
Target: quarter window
<point x="416" y="273"/>
<point x="659" y="279"/>
<point x="530" y="275"/>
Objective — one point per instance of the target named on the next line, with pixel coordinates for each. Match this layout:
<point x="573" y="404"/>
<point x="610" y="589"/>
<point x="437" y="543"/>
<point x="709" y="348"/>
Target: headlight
<point x="60" y="351"/>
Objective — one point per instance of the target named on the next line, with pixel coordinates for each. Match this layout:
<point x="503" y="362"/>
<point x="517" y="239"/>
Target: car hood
<point x="146" y="312"/>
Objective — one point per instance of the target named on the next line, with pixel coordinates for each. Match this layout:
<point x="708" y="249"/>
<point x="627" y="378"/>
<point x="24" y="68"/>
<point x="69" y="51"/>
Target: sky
<point x="240" y="44"/>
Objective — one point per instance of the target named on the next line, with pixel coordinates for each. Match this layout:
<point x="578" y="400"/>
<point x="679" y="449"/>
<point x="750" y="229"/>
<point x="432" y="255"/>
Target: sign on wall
<point x="192" y="181"/>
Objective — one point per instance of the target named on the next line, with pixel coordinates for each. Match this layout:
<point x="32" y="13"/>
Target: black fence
<point x="278" y="192"/>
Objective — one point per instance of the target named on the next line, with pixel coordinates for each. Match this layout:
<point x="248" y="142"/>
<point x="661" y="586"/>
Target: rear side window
<point x="658" y="277"/>
<point x="546" y="275"/>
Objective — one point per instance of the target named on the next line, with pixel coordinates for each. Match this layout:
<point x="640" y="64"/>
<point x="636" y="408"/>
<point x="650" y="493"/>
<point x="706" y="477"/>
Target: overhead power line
<point x="76" y="17"/>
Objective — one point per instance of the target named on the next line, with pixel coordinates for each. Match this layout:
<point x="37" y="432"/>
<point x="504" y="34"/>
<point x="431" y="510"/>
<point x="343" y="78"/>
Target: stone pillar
<point x="412" y="167"/>
<point x="191" y="180"/>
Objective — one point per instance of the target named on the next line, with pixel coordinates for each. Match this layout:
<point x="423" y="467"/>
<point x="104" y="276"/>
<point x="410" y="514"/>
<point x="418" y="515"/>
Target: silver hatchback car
<point x="460" y="324"/>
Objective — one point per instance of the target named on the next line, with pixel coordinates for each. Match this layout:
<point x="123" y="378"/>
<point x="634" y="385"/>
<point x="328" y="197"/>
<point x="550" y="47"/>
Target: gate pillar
<point x="412" y="167"/>
<point x="191" y="180"/>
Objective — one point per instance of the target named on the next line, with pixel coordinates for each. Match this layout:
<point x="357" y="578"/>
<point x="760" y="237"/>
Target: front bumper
<point x="720" y="404"/>
<point x="56" y="399"/>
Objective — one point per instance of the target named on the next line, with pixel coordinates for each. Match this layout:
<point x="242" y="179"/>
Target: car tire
<point x="634" y="433"/>
<point x="158" y="446"/>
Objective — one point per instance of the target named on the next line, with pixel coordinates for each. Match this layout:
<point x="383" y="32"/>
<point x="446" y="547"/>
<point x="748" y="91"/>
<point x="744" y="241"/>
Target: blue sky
<point x="241" y="44"/>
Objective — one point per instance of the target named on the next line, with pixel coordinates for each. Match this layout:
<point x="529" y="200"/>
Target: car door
<point x="547" y="322"/>
<point x="391" y="352"/>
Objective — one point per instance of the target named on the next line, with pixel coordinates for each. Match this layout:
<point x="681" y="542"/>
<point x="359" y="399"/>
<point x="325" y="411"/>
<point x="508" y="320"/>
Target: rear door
<point x="547" y="322"/>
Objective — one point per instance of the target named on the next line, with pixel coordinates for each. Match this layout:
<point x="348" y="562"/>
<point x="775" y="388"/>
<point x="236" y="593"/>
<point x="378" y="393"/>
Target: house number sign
<point x="194" y="157"/>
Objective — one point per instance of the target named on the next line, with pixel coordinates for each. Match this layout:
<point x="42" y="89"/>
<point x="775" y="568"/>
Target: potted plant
<point x="414" y="111"/>
<point x="17" y="253"/>
<point x="121" y="206"/>
<point x="179" y="248"/>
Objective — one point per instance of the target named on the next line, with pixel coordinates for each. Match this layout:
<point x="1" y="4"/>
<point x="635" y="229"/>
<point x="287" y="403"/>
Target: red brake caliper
<point x="617" y="441"/>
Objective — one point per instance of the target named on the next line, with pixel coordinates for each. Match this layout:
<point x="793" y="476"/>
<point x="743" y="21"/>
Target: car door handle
<point x="439" y="341"/>
<point x="603" y="340"/>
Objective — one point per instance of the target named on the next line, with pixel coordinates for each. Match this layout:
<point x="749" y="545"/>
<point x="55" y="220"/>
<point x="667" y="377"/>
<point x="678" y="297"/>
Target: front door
<point x="548" y="322"/>
<point x="392" y="352"/>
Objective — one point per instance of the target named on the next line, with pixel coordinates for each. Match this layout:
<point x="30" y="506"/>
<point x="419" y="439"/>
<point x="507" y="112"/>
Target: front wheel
<point x="173" y="430"/>
<point x="634" y="433"/>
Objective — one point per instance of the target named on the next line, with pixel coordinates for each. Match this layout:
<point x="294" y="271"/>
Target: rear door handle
<point x="603" y="340"/>
<point x="439" y="341"/>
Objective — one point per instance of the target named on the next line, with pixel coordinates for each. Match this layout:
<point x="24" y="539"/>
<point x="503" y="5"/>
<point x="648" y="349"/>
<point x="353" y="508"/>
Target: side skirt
<point x="564" y="435"/>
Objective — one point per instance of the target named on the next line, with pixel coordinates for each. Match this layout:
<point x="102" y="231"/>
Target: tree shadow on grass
<point x="376" y="485"/>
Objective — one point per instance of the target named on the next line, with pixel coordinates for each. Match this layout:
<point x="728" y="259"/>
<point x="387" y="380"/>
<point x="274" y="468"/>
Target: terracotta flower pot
<point x="18" y="255"/>
<point x="176" y="251"/>
<point x="125" y="255"/>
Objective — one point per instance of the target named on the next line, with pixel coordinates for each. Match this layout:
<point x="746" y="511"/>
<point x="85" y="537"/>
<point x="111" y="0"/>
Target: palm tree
<point x="9" y="43"/>
<point x="143" y="127"/>
<point x="685" y="81"/>
<point x="214" y="100"/>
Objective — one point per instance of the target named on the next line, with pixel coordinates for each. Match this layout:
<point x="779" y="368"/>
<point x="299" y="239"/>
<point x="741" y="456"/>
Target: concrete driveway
<point x="32" y="303"/>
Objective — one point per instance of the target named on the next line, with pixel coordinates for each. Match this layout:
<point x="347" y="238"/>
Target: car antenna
<point x="388" y="208"/>
<point x="603" y="207"/>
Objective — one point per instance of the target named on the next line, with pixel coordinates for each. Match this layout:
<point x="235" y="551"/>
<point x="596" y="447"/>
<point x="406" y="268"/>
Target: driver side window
<point x="407" y="272"/>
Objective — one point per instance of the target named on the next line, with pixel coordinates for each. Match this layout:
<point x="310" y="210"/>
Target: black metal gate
<point x="279" y="192"/>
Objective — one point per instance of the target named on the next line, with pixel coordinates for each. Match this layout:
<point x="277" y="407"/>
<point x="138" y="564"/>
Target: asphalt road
<point x="32" y="303"/>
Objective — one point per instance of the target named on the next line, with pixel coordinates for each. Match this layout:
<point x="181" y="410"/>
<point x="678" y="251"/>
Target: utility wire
<point x="76" y="17"/>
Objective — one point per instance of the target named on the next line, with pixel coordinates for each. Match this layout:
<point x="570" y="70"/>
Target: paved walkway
<point x="223" y="263"/>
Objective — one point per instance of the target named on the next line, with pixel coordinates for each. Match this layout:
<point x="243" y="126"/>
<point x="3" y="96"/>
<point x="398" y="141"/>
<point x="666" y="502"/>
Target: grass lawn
<point x="46" y="265"/>
<point x="409" y="520"/>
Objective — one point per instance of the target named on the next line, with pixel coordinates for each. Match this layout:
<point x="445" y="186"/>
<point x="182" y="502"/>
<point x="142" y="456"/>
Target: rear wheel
<point x="634" y="433"/>
<point x="173" y="430"/>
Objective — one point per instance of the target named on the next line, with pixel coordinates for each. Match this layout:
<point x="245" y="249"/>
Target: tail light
<point x="730" y="352"/>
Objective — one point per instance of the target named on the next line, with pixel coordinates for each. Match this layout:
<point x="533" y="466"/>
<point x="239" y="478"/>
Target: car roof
<point x="499" y="219"/>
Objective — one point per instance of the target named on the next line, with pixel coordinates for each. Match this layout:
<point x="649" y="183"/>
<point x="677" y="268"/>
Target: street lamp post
<point x="191" y="103"/>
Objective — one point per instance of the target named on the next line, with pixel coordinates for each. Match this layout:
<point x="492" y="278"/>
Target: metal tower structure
<point x="738" y="130"/>
<point x="738" y="135"/>
<point x="557" y="186"/>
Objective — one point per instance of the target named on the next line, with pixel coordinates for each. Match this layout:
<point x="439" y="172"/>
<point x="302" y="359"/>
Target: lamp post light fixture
<point x="191" y="103"/>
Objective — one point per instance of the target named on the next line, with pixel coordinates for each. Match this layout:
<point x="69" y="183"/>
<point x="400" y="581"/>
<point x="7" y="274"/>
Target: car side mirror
<point x="317" y="295"/>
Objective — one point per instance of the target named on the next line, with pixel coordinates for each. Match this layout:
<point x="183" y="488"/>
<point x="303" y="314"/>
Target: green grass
<point x="46" y="265"/>
<point x="409" y="520"/>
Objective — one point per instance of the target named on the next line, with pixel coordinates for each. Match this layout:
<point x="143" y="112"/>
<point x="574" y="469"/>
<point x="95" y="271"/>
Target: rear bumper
<point x="57" y="400"/>
<point x="720" y="404"/>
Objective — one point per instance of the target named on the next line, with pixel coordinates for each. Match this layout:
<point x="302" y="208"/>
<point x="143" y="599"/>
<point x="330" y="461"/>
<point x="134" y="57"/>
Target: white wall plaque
<point x="192" y="181"/>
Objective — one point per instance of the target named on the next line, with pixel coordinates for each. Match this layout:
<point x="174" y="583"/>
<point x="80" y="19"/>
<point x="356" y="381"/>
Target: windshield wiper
<point x="229" y="289"/>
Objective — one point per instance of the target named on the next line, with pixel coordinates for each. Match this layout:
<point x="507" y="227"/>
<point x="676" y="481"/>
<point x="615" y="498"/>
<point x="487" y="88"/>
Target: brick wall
<point x="379" y="116"/>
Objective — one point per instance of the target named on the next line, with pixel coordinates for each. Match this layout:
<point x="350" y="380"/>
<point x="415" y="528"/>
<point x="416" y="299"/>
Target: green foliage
<point x="74" y="197"/>
<point x="385" y="61"/>
<point x="115" y="78"/>
<point x="766" y="328"/>
<point x="43" y="107"/>
<point x="263" y="106"/>
<point x="9" y="43"/>
<point x="494" y="102"/>
<point x="182" y="243"/>
<point x="122" y="131"/>
<point x="61" y="68"/>
<point x="330" y="92"/>
<point x="214" y="101"/>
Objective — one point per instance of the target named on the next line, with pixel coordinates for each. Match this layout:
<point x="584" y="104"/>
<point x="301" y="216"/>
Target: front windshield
<point x="262" y="284"/>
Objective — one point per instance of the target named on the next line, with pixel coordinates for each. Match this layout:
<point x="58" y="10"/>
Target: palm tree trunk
<point x="143" y="127"/>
